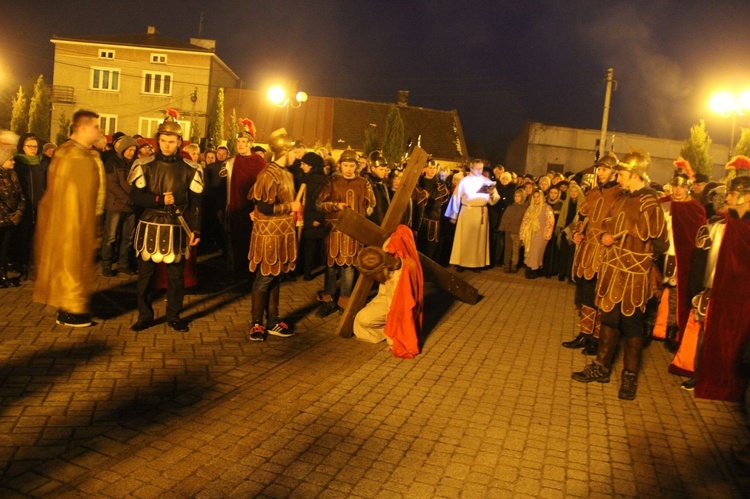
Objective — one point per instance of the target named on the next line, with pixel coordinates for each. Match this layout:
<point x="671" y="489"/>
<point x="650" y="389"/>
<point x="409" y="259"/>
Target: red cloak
<point x="244" y="173"/>
<point x="727" y="327"/>
<point x="687" y="218"/>
<point x="404" y="320"/>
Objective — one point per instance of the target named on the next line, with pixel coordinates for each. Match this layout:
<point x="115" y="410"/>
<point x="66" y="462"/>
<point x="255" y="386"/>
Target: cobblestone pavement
<point x="487" y="410"/>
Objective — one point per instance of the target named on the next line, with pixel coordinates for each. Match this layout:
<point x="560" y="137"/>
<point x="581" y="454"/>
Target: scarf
<point x="532" y="225"/>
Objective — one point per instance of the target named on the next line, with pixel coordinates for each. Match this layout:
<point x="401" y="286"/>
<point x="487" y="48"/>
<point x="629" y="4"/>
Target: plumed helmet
<point x="279" y="141"/>
<point x="170" y="126"/>
<point x="247" y="129"/>
<point x="740" y="165"/>
<point x="740" y="185"/>
<point x="608" y="160"/>
<point x="681" y="179"/>
<point x="376" y="159"/>
<point x="718" y="197"/>
<point x="635" y="161"/>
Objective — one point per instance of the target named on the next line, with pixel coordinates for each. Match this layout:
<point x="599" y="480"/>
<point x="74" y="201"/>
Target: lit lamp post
<point x="727" y="104"/>
<point x="281" y="97"/>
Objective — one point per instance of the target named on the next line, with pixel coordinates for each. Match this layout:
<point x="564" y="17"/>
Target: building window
<point x="157" y="83"/>
<point x="106" y="54"/>
<point x="147" y="127"/>
<point x="108" y="123"/>
<point x="105" y="79"/>
<point x="159" y="58"/>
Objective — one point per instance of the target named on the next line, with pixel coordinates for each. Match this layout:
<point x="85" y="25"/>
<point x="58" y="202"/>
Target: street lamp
<point x="727" y="104"/>
<point x="279" y="96"/>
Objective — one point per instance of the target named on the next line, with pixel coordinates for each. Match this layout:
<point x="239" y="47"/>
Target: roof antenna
<point x="200" y="27"/>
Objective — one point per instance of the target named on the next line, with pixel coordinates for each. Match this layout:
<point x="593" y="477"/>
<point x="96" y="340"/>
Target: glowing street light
<point x="727" y="104"/>
<point x="278" y="95"/>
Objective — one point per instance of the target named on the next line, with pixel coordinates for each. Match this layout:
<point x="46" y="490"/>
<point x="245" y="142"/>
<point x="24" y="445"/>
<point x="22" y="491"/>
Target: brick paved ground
<point x="487" y="410"/>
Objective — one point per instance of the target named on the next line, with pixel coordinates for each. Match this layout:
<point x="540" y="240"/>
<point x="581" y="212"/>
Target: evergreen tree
<point x="216" y="127"/>
<point x="372" y="141"/>
<point x="63" y="128"/>
<point x="743" y="146"/>
<point x="234" y="129"/>
<point x="19" y="120"/>
<point x="195" y="135"/>
<point x="393" y="143"/>
<point x="39" y="111"/>
<point x="696" y="149"/>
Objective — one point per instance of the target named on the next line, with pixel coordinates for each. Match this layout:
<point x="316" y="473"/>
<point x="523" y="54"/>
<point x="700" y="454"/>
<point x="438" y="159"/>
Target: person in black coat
<point x="313" y="228"/>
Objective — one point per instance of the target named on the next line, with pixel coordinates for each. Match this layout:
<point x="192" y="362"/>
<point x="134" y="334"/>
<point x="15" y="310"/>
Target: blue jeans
<point x="347" y="280"/>
<point x="118" y="226"/>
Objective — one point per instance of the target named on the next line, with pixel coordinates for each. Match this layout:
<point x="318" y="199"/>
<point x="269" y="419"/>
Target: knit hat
<point x="314" y="160"/>
<point x="124" y="143"/>
<point x="46" y="147"/>
<point x="5" y="155"/>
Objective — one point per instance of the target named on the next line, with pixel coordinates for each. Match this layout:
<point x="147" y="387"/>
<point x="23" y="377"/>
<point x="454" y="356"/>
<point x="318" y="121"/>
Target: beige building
<point x="131" y="80"/>
<point x="540" y="148"/>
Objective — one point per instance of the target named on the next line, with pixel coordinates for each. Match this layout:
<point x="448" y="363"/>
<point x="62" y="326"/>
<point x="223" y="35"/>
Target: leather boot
<point x="607" y="344"/>
<point x="258" y="300"/>
<point x="273" y="303"/>
<point x="631" y="362"/>
<point x="591" y="347"/>
<point x="580" y="341"/>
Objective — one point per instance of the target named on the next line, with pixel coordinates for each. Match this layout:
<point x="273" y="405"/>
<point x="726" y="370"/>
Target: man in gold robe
<point x="70" y="213"/>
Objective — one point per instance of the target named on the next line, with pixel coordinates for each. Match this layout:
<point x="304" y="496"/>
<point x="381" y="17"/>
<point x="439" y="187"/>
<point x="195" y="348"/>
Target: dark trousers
<point x="175" y="289"/>
<point x="6" y="235"/>
<point x="629" y="327"/>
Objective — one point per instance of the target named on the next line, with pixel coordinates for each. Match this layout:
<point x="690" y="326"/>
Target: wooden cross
<point x="355" y="225"/>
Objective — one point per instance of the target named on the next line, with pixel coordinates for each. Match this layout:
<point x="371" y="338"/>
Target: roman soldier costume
<point x="273" y="244"/>
<point x="683" y="218"/>
<point x="357" y="194"/>
<point x="242" y="172"/>
<point x="589" y="254"/>
<point x="636" y="230"/>
<point x="429" y="229"/>
<point x="160" y="235"/>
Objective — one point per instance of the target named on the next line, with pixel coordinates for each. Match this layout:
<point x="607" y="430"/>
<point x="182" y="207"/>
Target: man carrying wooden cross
<point x="395" y="314"/>
<point x="363" y="230"/>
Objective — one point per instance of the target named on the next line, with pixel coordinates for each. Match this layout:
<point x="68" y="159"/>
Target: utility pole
<point x="200" y="27"/>
<point x="605" y="115"/>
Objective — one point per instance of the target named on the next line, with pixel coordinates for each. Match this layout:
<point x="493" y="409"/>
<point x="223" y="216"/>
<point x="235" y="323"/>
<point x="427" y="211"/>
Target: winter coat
<point x="11" y="197"/>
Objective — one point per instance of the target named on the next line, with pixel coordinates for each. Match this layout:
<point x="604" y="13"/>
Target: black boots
<point x="671" y="341"/>
<point x="628" y="385"/>
<point x="580" y="341"/>
<point x="631" y="362"/>
<point x="591" y="347"/>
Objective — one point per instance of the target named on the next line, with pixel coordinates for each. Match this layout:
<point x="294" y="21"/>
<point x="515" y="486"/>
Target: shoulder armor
<point x="136" y="176"/>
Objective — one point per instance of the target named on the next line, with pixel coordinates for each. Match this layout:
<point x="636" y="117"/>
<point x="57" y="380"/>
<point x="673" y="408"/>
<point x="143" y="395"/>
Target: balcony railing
<point x="62" y="94"/>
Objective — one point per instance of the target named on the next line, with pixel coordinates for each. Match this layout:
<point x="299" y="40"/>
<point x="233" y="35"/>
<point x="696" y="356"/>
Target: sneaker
<point x="74" y="320"/>
<point x="326" y="309"/>
<point x="280" y="329"/>
<point x="258" y="333"/>
<point x="592" y="372"/>
<point x="628" y="385"/>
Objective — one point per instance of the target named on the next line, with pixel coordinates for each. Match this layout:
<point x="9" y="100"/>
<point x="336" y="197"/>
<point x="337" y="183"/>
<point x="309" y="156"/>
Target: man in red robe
<point x="727" y="328"/>
<point x="395" y="314"/>
<point x="241" y="172"/>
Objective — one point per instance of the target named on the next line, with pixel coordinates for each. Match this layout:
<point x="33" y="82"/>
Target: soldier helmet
<point x="635" y="161"/>
<point x="376" y="159"/>
<point x="395" y="173"/>
<point x="740" y="164"/>
<point x="279" y="141"/>
<point x="348" y="155"/>
<point x="740" y="185"/>
<point x="170" y="126"/>
<point x="608" y="160"/>
<point x="247" y="129"/>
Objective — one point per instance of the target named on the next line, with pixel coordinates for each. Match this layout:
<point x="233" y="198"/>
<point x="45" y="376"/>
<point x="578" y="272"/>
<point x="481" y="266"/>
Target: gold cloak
<point x="65" y="242"/>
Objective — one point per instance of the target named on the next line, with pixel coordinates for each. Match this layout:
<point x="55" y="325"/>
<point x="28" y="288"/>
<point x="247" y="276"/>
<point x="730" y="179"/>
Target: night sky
<point x="498" y="63"/>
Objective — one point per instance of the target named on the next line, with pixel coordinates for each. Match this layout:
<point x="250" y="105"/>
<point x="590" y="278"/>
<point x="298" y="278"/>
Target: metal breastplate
<point x="717" y="234"/>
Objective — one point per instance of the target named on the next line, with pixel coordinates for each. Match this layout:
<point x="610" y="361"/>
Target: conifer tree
<point x="63" y="128"/>
<point x="19" y="119"/>
<point x="371" y="142"/>
<point x="696" y="149"/>
<point x="216" y="127"/>
<point x="234" y="129"/>
<point x="39" y="111"/>
<point x="743" y="146"/>
<point x="393" y="143"/>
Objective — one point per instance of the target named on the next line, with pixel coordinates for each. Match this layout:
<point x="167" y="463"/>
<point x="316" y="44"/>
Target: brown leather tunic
<point x="273" y="244"/>
<point x="342" y="249"/>
<point x="625" y="269"/>
<point x="595" y="206"/>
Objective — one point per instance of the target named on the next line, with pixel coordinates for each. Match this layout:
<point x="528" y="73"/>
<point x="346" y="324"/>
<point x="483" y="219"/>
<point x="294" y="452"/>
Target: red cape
<point x="404" y="320"/>
<point x="687" y="218"/>
<point x="720" y="374"/>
